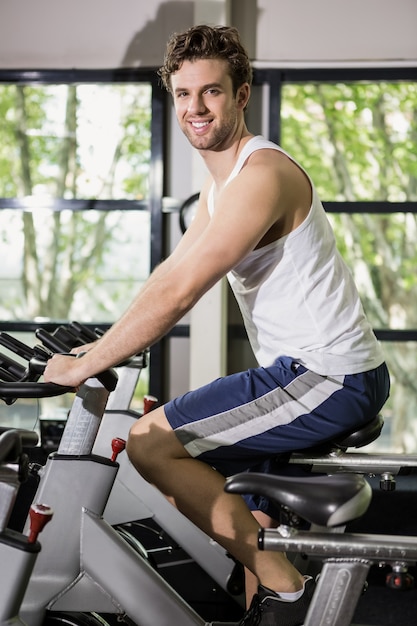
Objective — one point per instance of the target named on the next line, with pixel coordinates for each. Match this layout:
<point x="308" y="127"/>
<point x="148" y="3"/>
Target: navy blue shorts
<point x="243" y="421"/>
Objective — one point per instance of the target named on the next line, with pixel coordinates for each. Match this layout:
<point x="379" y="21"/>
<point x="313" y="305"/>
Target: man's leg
<point x="252" y="581"/>
<point x="198" y="492"/>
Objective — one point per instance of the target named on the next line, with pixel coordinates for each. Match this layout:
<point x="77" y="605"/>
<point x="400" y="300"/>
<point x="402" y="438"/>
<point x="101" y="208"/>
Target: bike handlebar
<point x="18" y="381"/>
<point x="18" y="389"/>
<point x="29" y="438"/>
<point x="16" y="346"/>
<point x="11" y="442"/>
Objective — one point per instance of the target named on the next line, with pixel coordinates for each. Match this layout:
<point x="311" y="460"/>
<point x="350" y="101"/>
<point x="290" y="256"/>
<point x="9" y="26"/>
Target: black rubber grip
<point x="16" y="346"/>
<point x="83" y="332"/>
<point x="15" y="370"/>
<point x="12" y="390"/>
<point x="29" y="438"/>
<point x="51" y="342"/>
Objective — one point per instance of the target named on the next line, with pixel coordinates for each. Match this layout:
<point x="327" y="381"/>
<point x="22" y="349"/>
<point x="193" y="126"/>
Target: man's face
<point x="207" y="110"/>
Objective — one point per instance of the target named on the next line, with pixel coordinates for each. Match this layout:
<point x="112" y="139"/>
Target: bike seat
<point x="356" y="438"/>
<point x="329" y="501"/>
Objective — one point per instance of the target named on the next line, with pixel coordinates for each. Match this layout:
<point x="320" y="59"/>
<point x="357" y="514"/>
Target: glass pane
<point x="358" y="140"/>
<point x="381" y="251"/>
<point x="72" y="141"/>
<point x="84" y="266"/>
<point x="75" y="141"/>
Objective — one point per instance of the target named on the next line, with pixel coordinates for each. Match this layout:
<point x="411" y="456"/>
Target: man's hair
<point x="207" y="42"/>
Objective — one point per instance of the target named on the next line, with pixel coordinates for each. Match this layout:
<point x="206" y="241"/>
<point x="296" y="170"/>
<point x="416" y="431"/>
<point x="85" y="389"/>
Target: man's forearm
<point x="152" y="314"/>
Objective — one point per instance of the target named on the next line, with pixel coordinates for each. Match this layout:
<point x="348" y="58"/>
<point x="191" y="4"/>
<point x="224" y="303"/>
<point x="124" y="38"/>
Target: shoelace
<point x="253" y="615"/>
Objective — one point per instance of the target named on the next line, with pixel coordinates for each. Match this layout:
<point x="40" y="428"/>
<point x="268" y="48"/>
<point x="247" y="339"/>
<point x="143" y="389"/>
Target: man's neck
<point x="220" y="163"/>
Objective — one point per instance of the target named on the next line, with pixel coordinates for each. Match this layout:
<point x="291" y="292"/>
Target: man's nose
<point x="196" y="104"/>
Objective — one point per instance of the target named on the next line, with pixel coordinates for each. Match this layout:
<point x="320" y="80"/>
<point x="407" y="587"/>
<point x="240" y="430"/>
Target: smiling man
<point x="321" y="370"/>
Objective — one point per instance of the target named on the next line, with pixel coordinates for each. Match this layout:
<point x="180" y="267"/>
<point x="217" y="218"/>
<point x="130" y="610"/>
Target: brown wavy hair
<point x="207" y="42"/>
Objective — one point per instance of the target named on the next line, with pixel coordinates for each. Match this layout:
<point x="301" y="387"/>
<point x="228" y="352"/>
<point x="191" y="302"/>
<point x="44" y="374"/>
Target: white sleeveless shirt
<point x="298" y="298"/>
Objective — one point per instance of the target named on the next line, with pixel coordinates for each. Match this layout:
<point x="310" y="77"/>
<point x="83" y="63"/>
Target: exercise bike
<point x="155" y="616"/>
<point x="338" y="455"/>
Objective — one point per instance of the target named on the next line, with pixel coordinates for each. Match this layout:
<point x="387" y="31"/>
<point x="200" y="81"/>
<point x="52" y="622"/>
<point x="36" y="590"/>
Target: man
<point x="321" y="370"/>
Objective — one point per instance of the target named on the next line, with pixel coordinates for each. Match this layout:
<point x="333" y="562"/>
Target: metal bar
<point x="356" y="462"/>
<point x="376" y="548"/>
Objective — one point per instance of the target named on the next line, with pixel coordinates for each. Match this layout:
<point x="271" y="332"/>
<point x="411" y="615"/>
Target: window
<point x="80" y="193"/>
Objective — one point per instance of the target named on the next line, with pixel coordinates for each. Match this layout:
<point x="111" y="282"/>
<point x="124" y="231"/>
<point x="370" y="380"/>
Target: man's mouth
<point x="199" y="124"/>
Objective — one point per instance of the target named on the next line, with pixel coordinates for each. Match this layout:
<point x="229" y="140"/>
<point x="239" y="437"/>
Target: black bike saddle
<point x="323" y="500"/>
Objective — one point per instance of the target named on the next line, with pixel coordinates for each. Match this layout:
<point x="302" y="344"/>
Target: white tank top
<point x="298" y="298"/>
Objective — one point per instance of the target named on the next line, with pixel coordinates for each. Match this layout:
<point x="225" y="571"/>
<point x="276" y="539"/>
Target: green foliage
<point x="357" y="140"/>
<point x="70" y="141"/>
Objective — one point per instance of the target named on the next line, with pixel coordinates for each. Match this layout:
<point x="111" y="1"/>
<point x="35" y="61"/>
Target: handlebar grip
<point x="29" y="438"/>
<point x="10" y="368"/>
<point x="67" y="336"/>
<point x="83" y="332"/>
<point x="16" y="346"/>
<point x="13" y="390"/>
<point x="10" y="446"/>
<point x="5" y="375"/>
<point x="51" y="342"/>
<point x="108" y="379"/>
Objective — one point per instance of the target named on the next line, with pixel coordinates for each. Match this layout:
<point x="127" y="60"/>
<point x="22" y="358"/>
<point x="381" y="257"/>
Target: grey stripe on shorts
<point x="276" y="408"/>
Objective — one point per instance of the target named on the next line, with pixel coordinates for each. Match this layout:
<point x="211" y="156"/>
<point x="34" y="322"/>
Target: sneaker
<point x="268" y="609"/>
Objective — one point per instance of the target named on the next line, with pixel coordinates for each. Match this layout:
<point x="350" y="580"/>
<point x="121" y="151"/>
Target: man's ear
<point x="243" y="95"/>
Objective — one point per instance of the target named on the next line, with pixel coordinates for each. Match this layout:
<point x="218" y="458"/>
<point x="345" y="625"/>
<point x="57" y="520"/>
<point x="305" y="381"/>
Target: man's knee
<point x="134" y="447"/>
<point x="150" y="442"/>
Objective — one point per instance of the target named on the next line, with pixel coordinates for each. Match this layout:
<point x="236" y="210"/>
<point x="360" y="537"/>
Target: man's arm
<point x="245" y="210"/>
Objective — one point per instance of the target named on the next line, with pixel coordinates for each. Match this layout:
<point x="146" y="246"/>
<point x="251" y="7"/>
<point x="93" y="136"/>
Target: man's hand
<point x="64" y="370"/>
<point x="85" y="348"/>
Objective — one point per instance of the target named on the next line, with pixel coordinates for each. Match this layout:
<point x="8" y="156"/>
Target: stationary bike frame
<point x="85" y="565"/>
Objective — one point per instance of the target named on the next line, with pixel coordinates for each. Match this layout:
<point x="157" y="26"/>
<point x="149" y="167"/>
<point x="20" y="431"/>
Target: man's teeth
<point x="200" y="124"/>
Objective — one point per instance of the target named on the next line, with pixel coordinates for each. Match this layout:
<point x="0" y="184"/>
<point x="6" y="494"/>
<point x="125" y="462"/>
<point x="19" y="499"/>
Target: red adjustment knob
<point x="402" y="581"/>
<point x="148" y="403"/>
<point x="40" y="515"/>
<point x="117" y="445"/>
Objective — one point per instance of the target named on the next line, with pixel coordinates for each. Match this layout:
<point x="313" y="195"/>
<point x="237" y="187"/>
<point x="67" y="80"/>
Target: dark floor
<point x="390" y="513"/>
<point x="383" y="607"/>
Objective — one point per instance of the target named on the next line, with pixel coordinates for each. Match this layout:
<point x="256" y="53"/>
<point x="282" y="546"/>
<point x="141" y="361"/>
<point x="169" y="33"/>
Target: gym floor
<point x="389" y="513"/>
